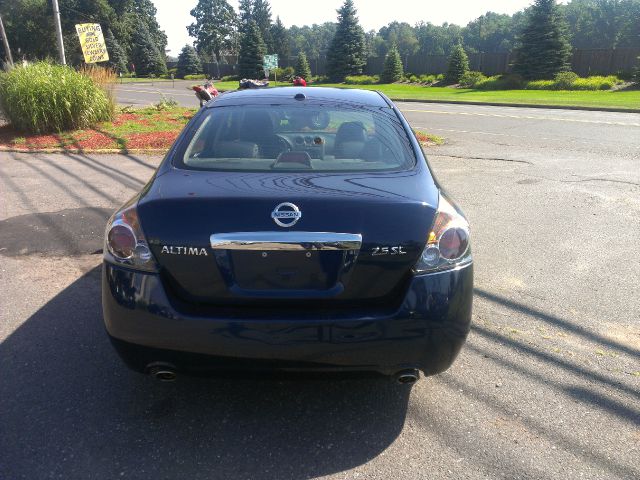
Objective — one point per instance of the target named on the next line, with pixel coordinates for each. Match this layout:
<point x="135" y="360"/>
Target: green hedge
<point x="198" y="76"/>
<point x="43" y="97"/>
<point x="362" y="79"/>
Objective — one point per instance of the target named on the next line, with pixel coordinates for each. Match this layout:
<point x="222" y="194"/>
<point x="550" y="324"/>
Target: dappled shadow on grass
<point x="70" y="409"/>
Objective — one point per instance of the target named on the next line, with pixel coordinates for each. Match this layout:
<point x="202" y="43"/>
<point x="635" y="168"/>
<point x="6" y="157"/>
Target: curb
<point x="150" y="151"/>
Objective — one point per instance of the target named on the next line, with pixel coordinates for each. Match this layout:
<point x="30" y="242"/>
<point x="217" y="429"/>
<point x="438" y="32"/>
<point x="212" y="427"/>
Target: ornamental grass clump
<point x="43" y="97"/>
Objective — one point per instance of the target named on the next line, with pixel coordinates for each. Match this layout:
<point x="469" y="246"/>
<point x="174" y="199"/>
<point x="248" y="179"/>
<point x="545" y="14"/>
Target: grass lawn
<point x="143" y="129"/>
<point x="629" y="100"/>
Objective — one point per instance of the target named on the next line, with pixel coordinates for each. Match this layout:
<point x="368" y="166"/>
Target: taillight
<point x="448" y="243"/>
<point x="124" y="241"/>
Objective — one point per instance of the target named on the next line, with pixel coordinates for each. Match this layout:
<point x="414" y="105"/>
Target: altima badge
<point x="288" y="212"/>
<point x="175" y="250"/>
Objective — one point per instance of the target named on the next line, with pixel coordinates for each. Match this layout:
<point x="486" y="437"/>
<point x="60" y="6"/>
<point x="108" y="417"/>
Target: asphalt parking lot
<point x="548" y="385"/>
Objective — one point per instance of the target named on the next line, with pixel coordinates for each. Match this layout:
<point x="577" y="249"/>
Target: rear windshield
<point x="299" y="138"/>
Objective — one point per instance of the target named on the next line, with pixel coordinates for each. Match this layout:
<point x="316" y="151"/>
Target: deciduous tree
<point x="215" y="28"/>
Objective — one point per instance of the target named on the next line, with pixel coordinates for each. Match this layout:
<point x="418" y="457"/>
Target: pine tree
<point x="544" y="48"/>
<point x="188" y="62"/>
<point x="348" y="52"/>
<point x="393" y="70"/>
<point x="144" y="54"/>
<point x="245" y="15"/>
<point x="302" y="67"/>
<point x="458" y="65"/>
<point x="261" y="13"/>
<point x="281" y="40"/>
<point x="252" y="51"/>
<point x="117" y="57"/>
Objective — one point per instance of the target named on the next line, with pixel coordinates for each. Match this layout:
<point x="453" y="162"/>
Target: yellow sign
<point x="92" y="42"/>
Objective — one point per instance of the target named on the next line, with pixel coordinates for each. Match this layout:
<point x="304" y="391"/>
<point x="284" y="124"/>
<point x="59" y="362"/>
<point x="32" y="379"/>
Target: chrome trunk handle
<point x="286" y="241"/>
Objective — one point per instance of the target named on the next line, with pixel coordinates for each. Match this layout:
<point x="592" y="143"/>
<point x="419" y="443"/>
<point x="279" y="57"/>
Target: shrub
<point x="362" y="79"/>
<point x="458" y="64"/>
<point x="230" y="78"/>
<point x="636" y="76"/>
<point x="540" y="85"/>
<point x="501" y="82"/>
<point x="199" y="76"/>
<point x="320" y="79"/>
<point x="283" y="74"/>
<point x="393" y="71"/>
<point x="596" y="82"/>
<point x="470" y="79"/>
<point x="564" y="80"/>
<point x="43" y="97"/>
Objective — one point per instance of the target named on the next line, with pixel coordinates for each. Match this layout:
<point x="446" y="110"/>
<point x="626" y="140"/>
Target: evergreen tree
<point x="458" y="65"/>
<point x="215" y="27"/>
<point x="144" y="53"/>
<point x="252" y="51"/>
<point x="348" y="52"/>
<point x="188" y="62"/>
<point x="544" y="48"/>
<point x="245" y="9"/>
<point x="117" y="57"/>
<point x="302" y="67"/>
<point x="261" y="13"/>
<point x="393" y="70"/>
<point x="281" y="41"/>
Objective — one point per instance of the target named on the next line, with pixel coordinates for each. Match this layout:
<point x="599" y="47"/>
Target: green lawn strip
<point x="628" y="100"/>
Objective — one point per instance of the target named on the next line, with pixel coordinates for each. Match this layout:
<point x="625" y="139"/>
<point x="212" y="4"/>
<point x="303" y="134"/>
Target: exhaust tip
<point x="162" y="372"/>
<point x="407" y="377"/>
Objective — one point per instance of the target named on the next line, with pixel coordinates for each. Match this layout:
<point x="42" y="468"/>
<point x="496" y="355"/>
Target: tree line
<point x="136" y="41"/>
<point x="134" y="38"/>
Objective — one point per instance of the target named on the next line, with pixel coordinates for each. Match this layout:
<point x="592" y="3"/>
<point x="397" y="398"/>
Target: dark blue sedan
<point x="290" y="229"/>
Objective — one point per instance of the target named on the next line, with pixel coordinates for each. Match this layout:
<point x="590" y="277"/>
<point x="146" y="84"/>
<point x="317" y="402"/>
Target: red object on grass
<point x="299" y="82"/>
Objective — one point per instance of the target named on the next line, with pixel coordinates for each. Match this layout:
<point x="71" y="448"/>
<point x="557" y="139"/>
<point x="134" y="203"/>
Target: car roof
<point x="286" y="94"/>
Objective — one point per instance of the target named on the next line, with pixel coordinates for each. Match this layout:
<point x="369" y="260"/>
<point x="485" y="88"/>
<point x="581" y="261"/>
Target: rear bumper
<point x="425" y="332"/>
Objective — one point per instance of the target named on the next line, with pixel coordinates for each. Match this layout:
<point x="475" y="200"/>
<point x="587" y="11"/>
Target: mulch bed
<point x="145" y="129"/>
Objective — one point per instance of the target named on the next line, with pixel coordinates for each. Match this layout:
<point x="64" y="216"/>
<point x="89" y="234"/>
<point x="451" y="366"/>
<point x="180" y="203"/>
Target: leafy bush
<point x="320" y="79"/>
<point x="43" y="97"/>
<point x="362" y="79"/>
<point x="540" y="85"/>
<point x="230" y="78"/>
<point x="596" y="82"/>
<point x="199" y="76"/>
<point x="284" y="74"/>
<point x="501" y="82"/>
<point x="564" y="80"/>
<point x="470" y="79"/>
<point x="636" y="76"/>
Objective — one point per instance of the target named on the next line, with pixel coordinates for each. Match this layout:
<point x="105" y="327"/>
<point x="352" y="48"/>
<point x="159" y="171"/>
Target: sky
<point x="173" y="15"/>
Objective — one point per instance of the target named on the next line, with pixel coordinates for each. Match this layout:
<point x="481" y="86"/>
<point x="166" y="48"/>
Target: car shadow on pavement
<point x="70" y="409"/>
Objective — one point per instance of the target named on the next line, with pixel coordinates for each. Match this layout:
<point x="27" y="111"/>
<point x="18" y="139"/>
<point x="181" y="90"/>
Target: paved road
<point x="548" y="385"/>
